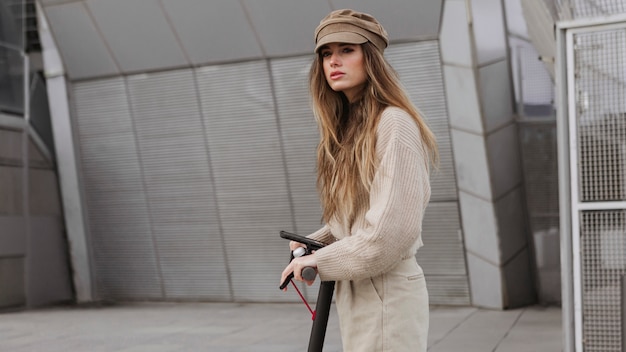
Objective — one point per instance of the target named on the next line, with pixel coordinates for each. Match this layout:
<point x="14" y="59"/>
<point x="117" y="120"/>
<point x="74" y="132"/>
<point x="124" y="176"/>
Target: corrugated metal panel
<point x="443" y="249"/>
<point x="300" y="138"/>
<point x="120" y="236"/>
<point x="419" y="67"/>
<point x="183" y="212"/>
<point x="443" y="255"/>
<point x="448" y="290"/>
<point x="247" y="163"/>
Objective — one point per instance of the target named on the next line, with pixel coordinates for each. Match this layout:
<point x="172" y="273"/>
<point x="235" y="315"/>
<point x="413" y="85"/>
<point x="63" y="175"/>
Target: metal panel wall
<point x="125" y="263"/>
<point x="172" y="148"/>
<point x="442" y="256"/>
<point x="190" y="174"/>
<point x="245" y="146"/>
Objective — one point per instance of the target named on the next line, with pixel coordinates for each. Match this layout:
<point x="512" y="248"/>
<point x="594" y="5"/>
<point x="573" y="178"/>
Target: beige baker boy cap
<point x="349" y="26"/>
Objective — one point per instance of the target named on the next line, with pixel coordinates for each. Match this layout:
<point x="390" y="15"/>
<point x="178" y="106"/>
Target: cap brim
<point x="340" y="37"/>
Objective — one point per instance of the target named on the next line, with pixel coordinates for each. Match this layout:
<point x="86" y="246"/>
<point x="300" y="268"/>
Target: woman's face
<point x="344" y="68"/>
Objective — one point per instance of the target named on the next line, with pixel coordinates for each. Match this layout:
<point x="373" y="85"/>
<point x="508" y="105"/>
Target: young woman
<point x="373" y="164"/>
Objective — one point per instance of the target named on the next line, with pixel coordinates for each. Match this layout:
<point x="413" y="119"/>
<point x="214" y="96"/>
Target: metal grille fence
<point x="598" y="179"/>
<point x="603" y="248"/>
<point x="587" y="8"/>
<point x="600" y="65"/>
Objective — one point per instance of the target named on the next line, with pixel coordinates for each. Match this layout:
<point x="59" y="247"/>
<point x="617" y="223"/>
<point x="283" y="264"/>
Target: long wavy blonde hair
<point x="346" y="154"/>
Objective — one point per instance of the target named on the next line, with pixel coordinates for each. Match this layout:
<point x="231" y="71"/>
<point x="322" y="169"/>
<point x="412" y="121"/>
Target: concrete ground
<point x="223" y="327"/>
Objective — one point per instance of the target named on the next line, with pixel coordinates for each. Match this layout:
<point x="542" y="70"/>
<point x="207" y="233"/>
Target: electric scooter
<point x="324" y="297"/>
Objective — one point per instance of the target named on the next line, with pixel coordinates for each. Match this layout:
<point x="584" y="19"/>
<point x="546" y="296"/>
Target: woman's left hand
<point x="296" y="266"/>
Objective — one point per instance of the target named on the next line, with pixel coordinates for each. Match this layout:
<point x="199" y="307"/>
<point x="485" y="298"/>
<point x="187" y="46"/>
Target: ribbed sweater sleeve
<point x="322" y="235"/>
<point x="398" y="196"/>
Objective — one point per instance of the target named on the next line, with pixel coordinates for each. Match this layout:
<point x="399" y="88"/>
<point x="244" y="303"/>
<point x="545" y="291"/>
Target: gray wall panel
<point x="443" y="255"/>
<point x="12" y="238"/>
<point x="300" y="136"/>
<point x="402" y="19"/>
<point x="448" y="290"/>
<point x="50" y="280"/>
<point x="21" y="266"/>
<point x="44" y="193"/>
<point x="199" y="22"/>
<point x="123" y="256"/>
<point x="12" y="274"/>
<point x="105" y="37"/>
<point x="137" y="34"/>
<point x="84" y="51"/>
<point x="285" y="27"/>
<point x="11" y="190"/>
<point x="245" y="149"/>
<point x="177" y="178"/>
<point x="10" y="146"/>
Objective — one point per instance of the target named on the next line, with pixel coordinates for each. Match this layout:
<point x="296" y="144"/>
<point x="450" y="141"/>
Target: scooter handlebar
<point x="308" y="273"/>
<point x="311" y="244"/>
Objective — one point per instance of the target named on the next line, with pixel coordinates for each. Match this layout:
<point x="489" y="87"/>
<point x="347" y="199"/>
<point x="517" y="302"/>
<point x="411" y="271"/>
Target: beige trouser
<point x="385" y="313"/>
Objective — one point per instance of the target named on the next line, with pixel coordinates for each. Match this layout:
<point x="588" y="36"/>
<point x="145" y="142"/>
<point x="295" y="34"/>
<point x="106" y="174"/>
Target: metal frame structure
<point x="69" y="180"/>
<point x="570" y="204"/>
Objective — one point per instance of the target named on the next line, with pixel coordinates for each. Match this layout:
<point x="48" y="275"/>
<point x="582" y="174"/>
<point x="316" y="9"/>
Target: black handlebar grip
<point x="309" y="273"/>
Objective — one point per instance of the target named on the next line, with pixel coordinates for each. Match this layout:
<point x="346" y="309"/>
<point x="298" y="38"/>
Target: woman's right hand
<point x="296" y="266"/>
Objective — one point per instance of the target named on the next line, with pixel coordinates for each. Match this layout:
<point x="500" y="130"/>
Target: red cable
<point x="304" y="300"/>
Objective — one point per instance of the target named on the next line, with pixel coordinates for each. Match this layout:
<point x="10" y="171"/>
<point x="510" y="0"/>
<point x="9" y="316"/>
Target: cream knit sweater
<point x="389" y="229"/>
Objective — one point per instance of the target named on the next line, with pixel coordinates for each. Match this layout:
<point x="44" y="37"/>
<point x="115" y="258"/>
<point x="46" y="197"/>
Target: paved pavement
<point x="236" y="327"/>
